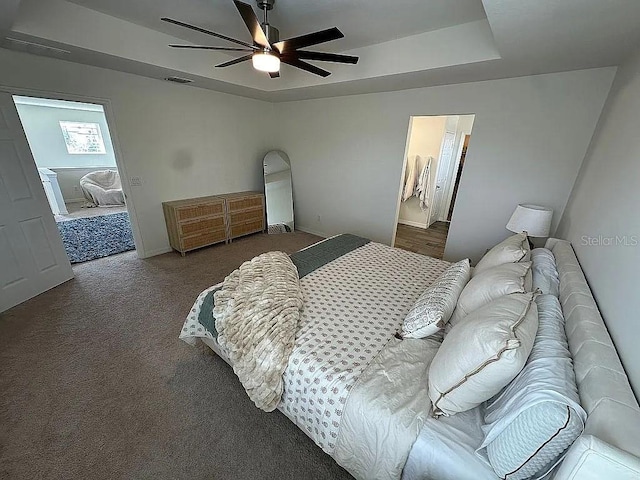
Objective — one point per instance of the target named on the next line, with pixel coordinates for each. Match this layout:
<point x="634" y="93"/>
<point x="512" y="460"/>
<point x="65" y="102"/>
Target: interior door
<point x="32" y="256"/>
<point x="442" y="170"/>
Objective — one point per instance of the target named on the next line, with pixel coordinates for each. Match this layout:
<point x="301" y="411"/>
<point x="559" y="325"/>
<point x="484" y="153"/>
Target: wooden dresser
<point x="203" y="221"/>
<point x="245" y="213"/>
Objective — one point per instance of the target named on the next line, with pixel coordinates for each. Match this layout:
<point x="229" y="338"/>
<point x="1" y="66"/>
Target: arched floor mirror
<point x="278" y="192"/>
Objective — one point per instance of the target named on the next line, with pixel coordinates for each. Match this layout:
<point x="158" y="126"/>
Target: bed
<point x="360" y="392"/>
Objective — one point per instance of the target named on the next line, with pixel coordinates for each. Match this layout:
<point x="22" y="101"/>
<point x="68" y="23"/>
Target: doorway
<point x="73" y="151"/>
<point x="434" y="160"/>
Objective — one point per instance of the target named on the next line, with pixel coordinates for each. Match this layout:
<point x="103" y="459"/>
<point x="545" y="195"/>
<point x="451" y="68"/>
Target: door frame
<point x="117" y="151"/>
<point x="456" y="167"/>
<point x="401" y="187"/>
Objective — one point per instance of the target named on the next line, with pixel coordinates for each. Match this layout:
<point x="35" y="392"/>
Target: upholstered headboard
<point x="610" y="445"/>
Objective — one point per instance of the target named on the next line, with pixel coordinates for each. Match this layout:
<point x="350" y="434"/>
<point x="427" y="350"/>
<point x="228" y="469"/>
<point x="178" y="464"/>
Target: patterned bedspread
<point x="353" y="307"/>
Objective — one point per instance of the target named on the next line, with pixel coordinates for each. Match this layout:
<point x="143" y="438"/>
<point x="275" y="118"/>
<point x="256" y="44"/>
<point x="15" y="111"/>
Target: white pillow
<point x="493" y="283"/>
<point x="482" y="353"/>
<point x="545" y="272"/>
<point x="513" y="249"/>
<point x="433" y="309"/>
<point x="537" y="417"/>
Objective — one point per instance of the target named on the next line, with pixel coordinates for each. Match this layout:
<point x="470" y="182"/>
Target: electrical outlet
<point x="318" y="218"/>
<point x="135" y="182"/>
<point x="76" y="188"/>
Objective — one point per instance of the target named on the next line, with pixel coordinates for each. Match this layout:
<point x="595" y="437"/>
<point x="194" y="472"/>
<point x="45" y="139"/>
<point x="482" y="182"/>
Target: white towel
<point x="424" y="184"/>
<point x="410" y="177"/>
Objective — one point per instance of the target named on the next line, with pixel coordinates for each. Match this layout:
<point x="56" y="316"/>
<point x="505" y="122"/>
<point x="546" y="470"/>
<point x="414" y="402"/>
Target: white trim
<point x="401" y="188"/>
<point x="157" y="251"/>
<point x="411" y="223"/>
<point x="311" y="231"/>
<point x="109" y="115"/>
<point x="83" y="168"/>
<point x="50" y="103"/>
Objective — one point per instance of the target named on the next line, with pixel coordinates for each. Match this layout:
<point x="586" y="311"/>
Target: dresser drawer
<point x="201" y="226"/>
<point x="204" y="210"/>
<point x="243" y="203"/>
<point x="203" y="239"/>
<point x="246" y="228"/>
<point x="246" y="216"/>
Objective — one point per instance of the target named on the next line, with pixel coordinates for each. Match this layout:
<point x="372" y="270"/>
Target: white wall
<point x="69" y="182"/>
<point x="182" y="141"/>
<point x="602" y="220"/>
<point x="42" y="126"/>
<point x="425" y="139"/>
<point x="530" y="137"/>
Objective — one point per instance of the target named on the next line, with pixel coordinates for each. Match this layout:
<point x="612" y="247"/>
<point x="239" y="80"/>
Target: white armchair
<point x="103" y="188"/>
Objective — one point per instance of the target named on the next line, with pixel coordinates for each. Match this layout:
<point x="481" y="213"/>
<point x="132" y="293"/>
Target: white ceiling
<point x="366" y="22"/>
<point x="401" y="43"/>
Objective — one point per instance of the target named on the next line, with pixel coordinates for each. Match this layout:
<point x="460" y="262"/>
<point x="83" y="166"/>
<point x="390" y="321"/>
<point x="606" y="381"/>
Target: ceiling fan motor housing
<point x="265" y="4"/>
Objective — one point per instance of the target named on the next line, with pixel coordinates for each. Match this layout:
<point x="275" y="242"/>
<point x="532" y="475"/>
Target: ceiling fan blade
<point x="325" y="57"/>
<point x="234" y="61"/>
<point x="286" y="46"/>
<point x="295" y="62"/>
<point x="205" y="47"/>
<point x="274" y="74"/>
<point x="208" y="32"/>
<point x="252" y="23"/>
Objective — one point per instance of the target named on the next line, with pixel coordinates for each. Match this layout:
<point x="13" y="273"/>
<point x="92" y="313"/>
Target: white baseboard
<point x="412" y="223"/>
<point x="311" y="231"/>
<point x="153" y="253"/>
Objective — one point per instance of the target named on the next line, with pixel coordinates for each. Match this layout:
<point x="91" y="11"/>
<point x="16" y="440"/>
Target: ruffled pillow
<point x="433" y="309"/>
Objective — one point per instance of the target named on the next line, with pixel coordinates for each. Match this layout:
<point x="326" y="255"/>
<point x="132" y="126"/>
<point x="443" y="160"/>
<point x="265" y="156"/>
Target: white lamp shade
<point x="266" y="62"/>
<point x="532" y="219"/>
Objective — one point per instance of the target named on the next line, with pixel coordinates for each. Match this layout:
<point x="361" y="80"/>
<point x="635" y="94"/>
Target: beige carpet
<point x="96" y="384"/>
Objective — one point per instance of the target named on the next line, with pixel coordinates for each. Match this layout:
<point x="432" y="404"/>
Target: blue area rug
<point x="95" y="237"/>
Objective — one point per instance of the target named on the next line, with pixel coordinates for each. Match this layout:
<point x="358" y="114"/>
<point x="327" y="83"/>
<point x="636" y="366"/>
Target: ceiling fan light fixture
<point x="266" y="62"/>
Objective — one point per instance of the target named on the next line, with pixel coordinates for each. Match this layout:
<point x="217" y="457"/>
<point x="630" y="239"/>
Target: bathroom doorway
<point x="434" y="160"/>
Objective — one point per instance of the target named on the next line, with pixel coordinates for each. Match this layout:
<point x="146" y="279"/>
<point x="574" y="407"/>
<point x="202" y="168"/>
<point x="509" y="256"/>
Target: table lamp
<point x="533" y="220"/>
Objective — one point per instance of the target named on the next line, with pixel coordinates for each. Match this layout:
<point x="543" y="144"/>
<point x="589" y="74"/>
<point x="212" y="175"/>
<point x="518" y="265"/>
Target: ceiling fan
<point x="267" y="50"/>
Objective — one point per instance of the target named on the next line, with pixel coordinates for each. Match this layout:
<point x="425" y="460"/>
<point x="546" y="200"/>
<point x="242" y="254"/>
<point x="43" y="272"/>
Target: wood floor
<point x="430" y="241"/>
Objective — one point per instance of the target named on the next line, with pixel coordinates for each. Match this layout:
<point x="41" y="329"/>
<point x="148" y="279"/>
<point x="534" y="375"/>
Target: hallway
<point x="429" y="242"/>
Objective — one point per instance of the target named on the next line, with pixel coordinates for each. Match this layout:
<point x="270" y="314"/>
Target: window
<point x="82" y="138"/>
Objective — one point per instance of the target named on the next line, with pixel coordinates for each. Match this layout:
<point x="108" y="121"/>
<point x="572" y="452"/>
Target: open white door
<point x="442" y="170"/>
<point x="32" y="256"/>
